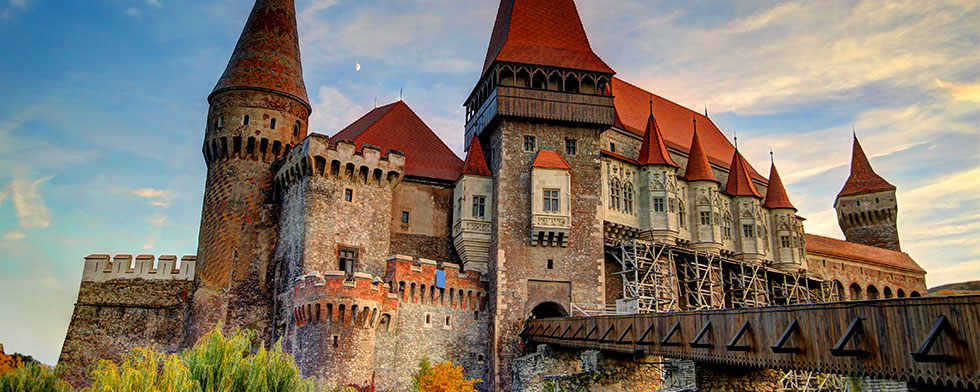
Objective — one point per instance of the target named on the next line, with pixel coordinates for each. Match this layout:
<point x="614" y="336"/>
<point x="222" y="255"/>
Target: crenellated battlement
<point x="102" y="267"/>
<point x="415" y="281"/>
<point x="333" y="297"/>
<point x="316" y="155"/>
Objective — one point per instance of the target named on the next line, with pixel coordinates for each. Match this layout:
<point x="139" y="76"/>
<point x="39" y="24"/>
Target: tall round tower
<point x="867" y="210"/>
<point x="258" y="110"/>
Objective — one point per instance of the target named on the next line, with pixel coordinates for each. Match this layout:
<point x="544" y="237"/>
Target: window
<point x="221" y="121"/>
<point x="612" y="147"/>
<point x="551" y="264"/>
<point x="682" y="215"/>
<point x="348" y="195"/>
<point x="673" y="205"/>
<point x="447" y="321"/>
<point x="551" y="200"/>
<point x="272" y="123"/>
<point x="628" y="198"/>
<point x="347" y="260"/>
<point x="296" y="129"/>
<point x="570" y="146"/>
<point x="658" y="204"/>
<point x="727" y="226"/>
<point x="528" y="143"/>
<point x="615" y="191"/>
<point x="784" y="241"/>
<point x="245" y="120"/>
<point x="747" y="231"/>
<point x="877" y="201"/>
<point x="479" y="206"/>
<point x="405" y="217"/>
<point x="858" y="203"/>
<point x="705" y="218"/>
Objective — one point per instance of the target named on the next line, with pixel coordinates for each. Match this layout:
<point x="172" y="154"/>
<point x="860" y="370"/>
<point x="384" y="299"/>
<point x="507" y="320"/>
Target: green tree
<point x="32" y="377"/>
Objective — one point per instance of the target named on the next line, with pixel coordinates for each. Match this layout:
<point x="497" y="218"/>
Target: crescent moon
<point x="357" y="67"/>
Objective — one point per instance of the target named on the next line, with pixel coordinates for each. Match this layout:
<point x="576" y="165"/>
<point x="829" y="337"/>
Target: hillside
<point x="969" y="287"/>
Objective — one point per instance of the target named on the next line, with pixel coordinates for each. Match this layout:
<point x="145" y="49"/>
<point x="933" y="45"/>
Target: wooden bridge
<point x="928" y="340"/>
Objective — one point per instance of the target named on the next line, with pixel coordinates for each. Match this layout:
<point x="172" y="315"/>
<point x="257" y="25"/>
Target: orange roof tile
<point x="542" y="32"/>
<point x="475" y="163"/>
<point x="833" y="247"/>
<point x="396" y="127"/>
<point x="698" y="168"/>
<point x="674" y="121"/>
<point x="776" y="194"/>
<point x="863" y="178"/>
<point x="653" y="151"/>
<point x="617" y="156"/>
<point x="550" y="159"/>
<point x="267" y="54"/>
<point x="739" y="181"/>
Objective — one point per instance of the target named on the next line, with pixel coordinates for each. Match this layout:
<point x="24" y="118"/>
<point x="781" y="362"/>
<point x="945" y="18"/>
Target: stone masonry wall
<point x="722" y="378"/>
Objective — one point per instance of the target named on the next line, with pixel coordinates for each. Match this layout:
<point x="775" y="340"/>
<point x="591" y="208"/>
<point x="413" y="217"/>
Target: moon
<point x="357" y="67"/>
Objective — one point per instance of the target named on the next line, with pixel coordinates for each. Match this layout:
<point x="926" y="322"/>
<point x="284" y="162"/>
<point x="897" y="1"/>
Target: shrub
<point x="143" y="370"/>
<point x="444" y="377"/>
<point x="32" y="377"/>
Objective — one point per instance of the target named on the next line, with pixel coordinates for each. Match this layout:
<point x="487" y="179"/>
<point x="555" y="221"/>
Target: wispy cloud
<point x="134" y="12"/>
<point x="31" y="210"/>
<point x="13" y="235"/>
<point x="156" y="197"/>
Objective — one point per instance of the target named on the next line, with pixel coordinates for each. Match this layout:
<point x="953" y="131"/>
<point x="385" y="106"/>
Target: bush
<point x="32" y="377"/>
<point x="444" y="377"/>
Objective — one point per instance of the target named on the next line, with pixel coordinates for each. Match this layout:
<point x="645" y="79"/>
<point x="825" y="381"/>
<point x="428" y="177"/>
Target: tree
<point x="444" y="377"/>
<point x="32" y="377"/>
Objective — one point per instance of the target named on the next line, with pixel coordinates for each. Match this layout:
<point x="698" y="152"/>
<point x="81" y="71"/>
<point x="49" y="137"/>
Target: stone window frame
<point x="784" y="241"/>
<point x="448" y="324"/>
<point x="530" y="143"/>
<point x="658" y="204"/>
<point x="348" y="268"/>
<point x="726" y="226"/>
<point x="705" y="217"/>
<point x="479" y="206"/>
<point x="628" y="197"/>
<point x="747" y="230"/>
<point x="571" y="146"/>
<point x="615" y="194"/>
<point x="552" y="200"/>
<point x="428" y="320"/>
<point x="349" y="195"/>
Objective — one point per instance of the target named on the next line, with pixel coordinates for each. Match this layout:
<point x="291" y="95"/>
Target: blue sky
<point x="103" y="104"/>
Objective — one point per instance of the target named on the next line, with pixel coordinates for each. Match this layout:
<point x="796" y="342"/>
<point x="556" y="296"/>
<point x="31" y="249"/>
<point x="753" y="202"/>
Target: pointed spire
<point x="863" y="178"/>
<point x="776" y="194"/>
<point x="654" y="151"/>
<point x="266" y="57"/>
<point x="475" y="163"/>
<point x="698" y="168"/>
<point x="739" y="180"/>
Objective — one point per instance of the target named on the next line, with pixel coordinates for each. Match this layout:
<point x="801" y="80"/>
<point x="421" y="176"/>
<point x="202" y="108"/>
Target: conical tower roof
<point x="266" y="57"/>
<point x="542" y="32"/>
<point x="863" y="178"/>
<point x="776" y="194"/>
<point x="475" y="163"/>
<point x="654" y="151"/>
<point x="698" y="168"/>
<point x="739" y="180"/>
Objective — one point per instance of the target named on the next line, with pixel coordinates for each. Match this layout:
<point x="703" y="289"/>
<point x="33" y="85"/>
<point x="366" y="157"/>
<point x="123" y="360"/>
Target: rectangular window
<point x="747" y="231"/>
<point x="405" y="217"/>
<point x="479" y="206"/>
<point x="347" y="260"/>
<point x="705" y="218"/>
<point x="551" y="200"/>
<point x="570" y="146"/>
<point x="528" y="143"/>
<point x="784" y="241"/>
<point x="348" y="195"/>
<point x="658" y="204"/>
<point x="612" y="147"/>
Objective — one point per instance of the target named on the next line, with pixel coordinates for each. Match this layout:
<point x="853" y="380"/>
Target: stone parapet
<point x="316" y="155"/>
<point x="102" y="267"/>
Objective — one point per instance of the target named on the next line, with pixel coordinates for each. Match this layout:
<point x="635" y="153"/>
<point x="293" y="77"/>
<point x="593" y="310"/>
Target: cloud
<point x="154" y="3"/>
<point x="333" y="110"/>
<point x="31" y="210"/>
<point x="157" y="220"/>
<point x="134" y="12"/>
<point x="13" y="235"/>
<point x="156" y="197"/>
<point x="969" y="92"/>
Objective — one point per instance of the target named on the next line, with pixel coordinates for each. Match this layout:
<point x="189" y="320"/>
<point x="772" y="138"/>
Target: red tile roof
<point x="267" y="54"/>
<point x="475" y="163"/>
<point x="698" y="168"/>
<point x="396" y="127"/>
<point x="619" y="157"/>
<point x="776" y="194"/>
<point x="863" y="178"/>
<point x="833" y="247"/>
<point x="542" y="32"/>
<point x="653" y="151"/>
<point x="550" y="159"/>
<point x="739" y="181"/>
<point x="674" y="121"/>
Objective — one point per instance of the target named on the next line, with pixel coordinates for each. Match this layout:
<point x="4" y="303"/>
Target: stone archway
<point x="548" y="310"/>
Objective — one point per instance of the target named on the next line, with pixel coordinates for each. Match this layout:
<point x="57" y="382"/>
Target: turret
<point x="702" y="217"/>
<point x="867" y="209"/>
<point x="473" y="198"/>
<point x="258" y="111"/>
<point x="658" y="181"/>
<point x="787" y="236"/>
<point x="750" y="228"/>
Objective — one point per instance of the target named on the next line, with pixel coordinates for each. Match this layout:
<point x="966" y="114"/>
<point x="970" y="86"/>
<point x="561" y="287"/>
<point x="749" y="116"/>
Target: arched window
<point x="855" y="290"/>
<point x="245" y="120"/>
<point x="221" y="121"/>
<point x="539" y="80"/>
<point x="554" y="81"/>
<point x="901" y="293"/>
<point x="272" y="123"/>
<point x="588" y="85"/>
<point x="914" y="294"/>
<point x="571" y="83"/>
<point x="296" y="129"/>
<point x="888" y="292"/>
<point x="615" y="191"/>
<point x="872" y="292"/>
<point x="506" y="76"/>
<point x="628" y="197"/>
<point x="523" y="78"/>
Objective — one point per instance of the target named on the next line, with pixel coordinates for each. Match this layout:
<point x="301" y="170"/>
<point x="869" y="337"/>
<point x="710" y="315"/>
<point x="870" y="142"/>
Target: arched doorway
<point x="837" y="291"/>
<point x="872" y="292"/>
<point x="914" y="294"/>
<point x="888" y="292"/>
<point x="855" y="290"/>
<point x="901" y="293"/>
<point x="548" y="310"/>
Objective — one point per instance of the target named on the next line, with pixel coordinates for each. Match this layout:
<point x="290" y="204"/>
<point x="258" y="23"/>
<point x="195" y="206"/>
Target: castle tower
<point x="749" y="220"/>
<point x="787" y="228"/>
<point x="258" y="111"/>
<point x="658" y="181"/>
<point x="699" y="218"/>
<point x="543" y="98"/>
<point x="867" y="210"/>
<point x="473" y="196"/>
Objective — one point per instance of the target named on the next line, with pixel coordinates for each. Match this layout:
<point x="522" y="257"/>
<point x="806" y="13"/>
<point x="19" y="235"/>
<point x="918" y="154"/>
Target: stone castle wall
<point x="124" y="304"/>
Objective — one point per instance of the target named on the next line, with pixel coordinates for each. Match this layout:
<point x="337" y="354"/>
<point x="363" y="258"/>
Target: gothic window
<point x="673" y="205"/>
<point x="705" y="218"/>
<point x="528" y="143"/>
<point x="747" y="231"/>
<point x="348" y="195"/>
<point x="658" y="204"/>
<point x="551" y="200"/>
<point x="682" y="214"/>
<point x="615" y="192"/>
<point x="784" y="241"/>
<point x="347" y="260"/>
<point x="272" y="123"/>
<point x="245" y="120"/>
<point x="570" y="146"/>
<point x="479" y="206"/>
<point x="628" y="198"/>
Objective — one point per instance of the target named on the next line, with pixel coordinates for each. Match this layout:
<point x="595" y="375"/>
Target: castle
<point x="366" y="251"/>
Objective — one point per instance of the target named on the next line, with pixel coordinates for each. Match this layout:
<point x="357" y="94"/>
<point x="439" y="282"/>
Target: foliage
<point x="143" y="370"/>
<point x="443" y="377"/>
<point x="32" y="377"/>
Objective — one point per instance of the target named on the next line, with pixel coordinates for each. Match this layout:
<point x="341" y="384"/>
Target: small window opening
<point x="272" y="123"/>
<point x="570" y="147"/>
<point x="877" y="201"/>
<point x="858" y="203"/>
<point x="551" y="264"/>
<point x="479" y="206"/>
<point x="529" y="143"/>
<point x="405" y="217"/>
<point x="347" y="260"/>
<point x="428" y="319"/>
<point x="612" y="147"/>
<point x="348" y="195"/>
<point x="447" y="321"/>
<point x="476" y="314"/>
<point x="296" y="129"/>
<point x="479" y="357"/>
<point x="335" y="341"/>
<point x="245" y="120"/>
<point x="221" y="121"/>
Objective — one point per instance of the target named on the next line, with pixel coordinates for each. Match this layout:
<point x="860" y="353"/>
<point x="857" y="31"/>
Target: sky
<point x="103" y="106"/>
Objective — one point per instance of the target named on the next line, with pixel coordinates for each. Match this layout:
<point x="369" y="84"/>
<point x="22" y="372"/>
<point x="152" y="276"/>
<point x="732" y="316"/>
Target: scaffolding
<point x="702" y="281"/>
<point x="746" y="282"/>
<point x="648" y="275"/>
<point x="790" y="288"/>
